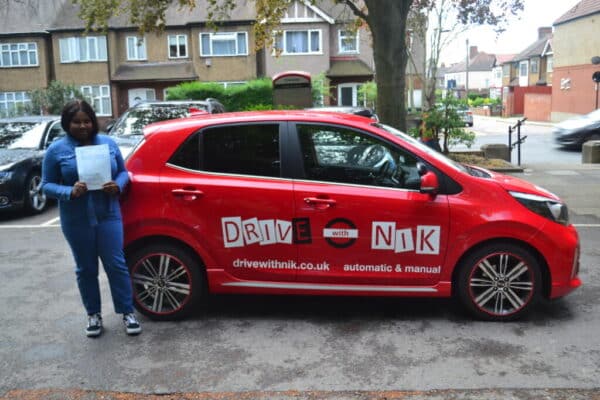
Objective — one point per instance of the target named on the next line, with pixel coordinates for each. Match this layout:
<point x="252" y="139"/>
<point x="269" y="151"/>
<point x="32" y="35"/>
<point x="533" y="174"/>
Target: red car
<point x="333" y="204"/>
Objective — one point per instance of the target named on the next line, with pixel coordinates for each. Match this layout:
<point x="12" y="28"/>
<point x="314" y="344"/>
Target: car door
<point x="370" y="224"/>
<point x="225" y="186"/>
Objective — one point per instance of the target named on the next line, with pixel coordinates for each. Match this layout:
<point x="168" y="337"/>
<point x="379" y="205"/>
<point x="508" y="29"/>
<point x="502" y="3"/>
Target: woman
<point x="91" y="219"/>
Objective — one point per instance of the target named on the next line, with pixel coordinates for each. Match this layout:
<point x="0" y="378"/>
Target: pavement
<point x="577" y="184"/>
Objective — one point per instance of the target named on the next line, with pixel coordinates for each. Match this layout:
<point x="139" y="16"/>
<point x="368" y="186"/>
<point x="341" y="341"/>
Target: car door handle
<point x="187" y="194"/>
<point x="319" y="201"/>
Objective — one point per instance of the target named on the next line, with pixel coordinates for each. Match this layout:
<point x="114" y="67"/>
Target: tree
<point x="386" y="20"/>
<point x="51" y="100"/>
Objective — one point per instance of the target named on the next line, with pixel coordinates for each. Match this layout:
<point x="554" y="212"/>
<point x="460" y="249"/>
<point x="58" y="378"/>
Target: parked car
<point x="363" y="111"/>
<point x="23" y="141"/>
<point x="127" y="130"/>
<point x="290" y="202"/>
<point x="574" y="132"/>
<point x="466" y="114"/>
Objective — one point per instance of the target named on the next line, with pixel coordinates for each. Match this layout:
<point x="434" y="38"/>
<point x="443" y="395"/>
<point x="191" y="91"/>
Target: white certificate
<point x="93" y="165"/>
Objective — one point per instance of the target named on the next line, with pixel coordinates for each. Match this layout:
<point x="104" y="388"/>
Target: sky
<point x="521" y="31"/>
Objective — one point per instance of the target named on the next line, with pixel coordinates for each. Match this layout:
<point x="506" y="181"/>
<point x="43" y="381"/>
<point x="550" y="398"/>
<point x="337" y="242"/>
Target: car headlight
<point x="546" y="207"/>
<point x="5" y="176"/>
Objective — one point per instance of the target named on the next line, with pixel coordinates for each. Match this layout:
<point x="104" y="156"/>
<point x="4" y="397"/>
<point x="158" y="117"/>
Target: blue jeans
<point x="104" y="240"/>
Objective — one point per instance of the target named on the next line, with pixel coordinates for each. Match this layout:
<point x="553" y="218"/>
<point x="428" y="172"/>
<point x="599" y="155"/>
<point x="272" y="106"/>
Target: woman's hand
<point x="111" y="188"/>
<point x="79" y="189"/>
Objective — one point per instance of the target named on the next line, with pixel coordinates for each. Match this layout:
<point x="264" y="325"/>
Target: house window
<point x="506" y="70"/>
<point x="348" y="42"/>
<point x="523" y="68"/>
<point x="299" y="42"/>
<point x="549" y="63"/>
<point x="12" y="102"/>
<point x="99" y="97"/>
<point x="18" y="55"/>
<point x="136" y="48"/>
<point x="177" y="46"/>
<point x="82" y="49"/>
<point x="223" y="44"/>
<point x="534" y="66"/>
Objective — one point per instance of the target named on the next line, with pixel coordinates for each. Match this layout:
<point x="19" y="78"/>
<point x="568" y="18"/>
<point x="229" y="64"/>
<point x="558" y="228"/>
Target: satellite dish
<point x="596" y="60"/>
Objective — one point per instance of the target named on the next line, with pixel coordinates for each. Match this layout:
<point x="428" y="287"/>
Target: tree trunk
<point x="387" y="21"/>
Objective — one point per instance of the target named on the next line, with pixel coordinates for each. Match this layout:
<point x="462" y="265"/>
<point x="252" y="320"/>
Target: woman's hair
<point x="72" y="108"/>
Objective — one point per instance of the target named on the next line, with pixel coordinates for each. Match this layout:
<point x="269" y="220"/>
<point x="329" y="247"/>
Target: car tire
<point x="167" y="281"/>
<point x="499" y="282"/>
<point x="34" y="200"/>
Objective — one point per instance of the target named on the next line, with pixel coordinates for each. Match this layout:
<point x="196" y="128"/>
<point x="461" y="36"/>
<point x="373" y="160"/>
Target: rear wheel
<point x="499" y="282"/>
<point x="167" y="281"/>
<point x="35" y="199"/>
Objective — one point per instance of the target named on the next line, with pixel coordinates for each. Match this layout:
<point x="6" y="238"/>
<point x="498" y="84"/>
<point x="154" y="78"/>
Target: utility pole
<point x="467" y="73"/>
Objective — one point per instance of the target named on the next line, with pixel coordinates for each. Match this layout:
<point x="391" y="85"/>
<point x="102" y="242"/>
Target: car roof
<point x="206" y="120"/>
<point x="150" y="104"/>
<point x="31" y="118"/>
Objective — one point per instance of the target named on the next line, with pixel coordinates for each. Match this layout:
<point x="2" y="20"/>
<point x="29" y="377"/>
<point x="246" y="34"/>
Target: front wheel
<point x="499" y="282"/>
<point x="167" y="281"/>
<point x="34" y="198"/>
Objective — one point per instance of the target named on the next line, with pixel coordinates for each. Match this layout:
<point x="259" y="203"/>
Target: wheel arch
<point x="157" y="240"/>
<point x="544" y="269"/>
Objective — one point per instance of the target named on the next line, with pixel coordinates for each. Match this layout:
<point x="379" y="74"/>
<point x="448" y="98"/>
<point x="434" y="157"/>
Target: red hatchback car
<point x="325" y="204"/>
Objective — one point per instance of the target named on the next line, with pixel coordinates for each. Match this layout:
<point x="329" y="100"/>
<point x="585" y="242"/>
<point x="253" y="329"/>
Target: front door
<point x="370" y="224"/>
<point x="225" y="184"/>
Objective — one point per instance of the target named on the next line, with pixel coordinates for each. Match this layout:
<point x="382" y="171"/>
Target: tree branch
<point x="357" y="11"/>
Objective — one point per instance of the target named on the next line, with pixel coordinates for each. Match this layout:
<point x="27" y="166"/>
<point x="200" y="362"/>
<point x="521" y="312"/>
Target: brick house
<point x="46" y="42"/>
<point x="575" y="42"/>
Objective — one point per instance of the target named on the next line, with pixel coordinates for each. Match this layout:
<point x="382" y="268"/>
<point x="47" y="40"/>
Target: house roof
<point x="536" y="49"/>
<point x="579" y="10"/>
<point x="481" y="62"/>
<point x="348" y="67"/>
<point x="504" y="58"/>
<point x="28" y="17"/>
<point x="164" y="71"/>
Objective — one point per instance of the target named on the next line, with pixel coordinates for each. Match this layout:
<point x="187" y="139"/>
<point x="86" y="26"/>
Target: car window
<point x="55" y="132"/>
<point x="337" y="154"/>
<point x="239" y="149"/>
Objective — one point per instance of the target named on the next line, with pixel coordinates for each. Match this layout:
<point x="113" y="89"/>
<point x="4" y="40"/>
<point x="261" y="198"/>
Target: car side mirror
<point x="429" y="183"/>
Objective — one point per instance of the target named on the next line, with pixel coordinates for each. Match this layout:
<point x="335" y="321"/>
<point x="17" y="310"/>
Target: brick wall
<point x="538" y="106"/>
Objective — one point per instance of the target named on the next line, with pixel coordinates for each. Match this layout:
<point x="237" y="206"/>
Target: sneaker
<point x="132" y="326"/>
<point x="94" y="326"/>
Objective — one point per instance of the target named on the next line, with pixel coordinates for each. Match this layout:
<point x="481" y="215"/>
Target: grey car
<point x="128" y="129"/>
<point x="23" y="142"/>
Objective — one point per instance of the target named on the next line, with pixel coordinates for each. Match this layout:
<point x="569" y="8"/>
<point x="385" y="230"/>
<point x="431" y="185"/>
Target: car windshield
<point x="20" y="135"/>
<point x="133" y="121"/>
<point x="435" y="154"/>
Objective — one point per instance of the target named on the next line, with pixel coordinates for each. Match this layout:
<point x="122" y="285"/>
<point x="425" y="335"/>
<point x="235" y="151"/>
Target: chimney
<point x="544" y="31"/>
<point x="473" y="52"/>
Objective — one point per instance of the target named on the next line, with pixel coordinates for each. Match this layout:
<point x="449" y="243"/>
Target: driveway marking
<point x="53" y="220"/>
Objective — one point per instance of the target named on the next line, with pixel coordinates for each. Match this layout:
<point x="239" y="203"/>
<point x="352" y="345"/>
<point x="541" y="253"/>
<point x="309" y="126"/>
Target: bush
<point x="255" y="94"/>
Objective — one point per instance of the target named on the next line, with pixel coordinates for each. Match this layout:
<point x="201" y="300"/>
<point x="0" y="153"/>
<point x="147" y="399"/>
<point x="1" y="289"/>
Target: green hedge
<point x="255" y="94"/>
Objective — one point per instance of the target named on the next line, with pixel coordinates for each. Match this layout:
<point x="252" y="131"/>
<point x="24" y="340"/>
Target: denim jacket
<point x="59" y="174"/>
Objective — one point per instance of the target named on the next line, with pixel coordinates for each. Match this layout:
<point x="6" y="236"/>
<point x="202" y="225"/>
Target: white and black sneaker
<point x="94" y="326"/>
<point x="132" y="326"/>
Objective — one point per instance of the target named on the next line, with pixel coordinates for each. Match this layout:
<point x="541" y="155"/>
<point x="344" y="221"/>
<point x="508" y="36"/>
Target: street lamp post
<point x="467" y="73"/>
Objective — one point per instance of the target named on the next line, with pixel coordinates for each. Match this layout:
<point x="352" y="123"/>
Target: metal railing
<point x="519" y="140"/>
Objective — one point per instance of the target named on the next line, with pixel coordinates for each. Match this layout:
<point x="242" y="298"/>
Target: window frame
<point x="7" y="47"/>
<point x="74" y="46"/>
<point x="5" y="110"/>
<point x="214" y="36"/>
<point x="136" y="49"/>
<point x="96" y="101"/>
<point x="283" y="35"/>
<point x="342" y="37"/>
<point x="177" y="36"/>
